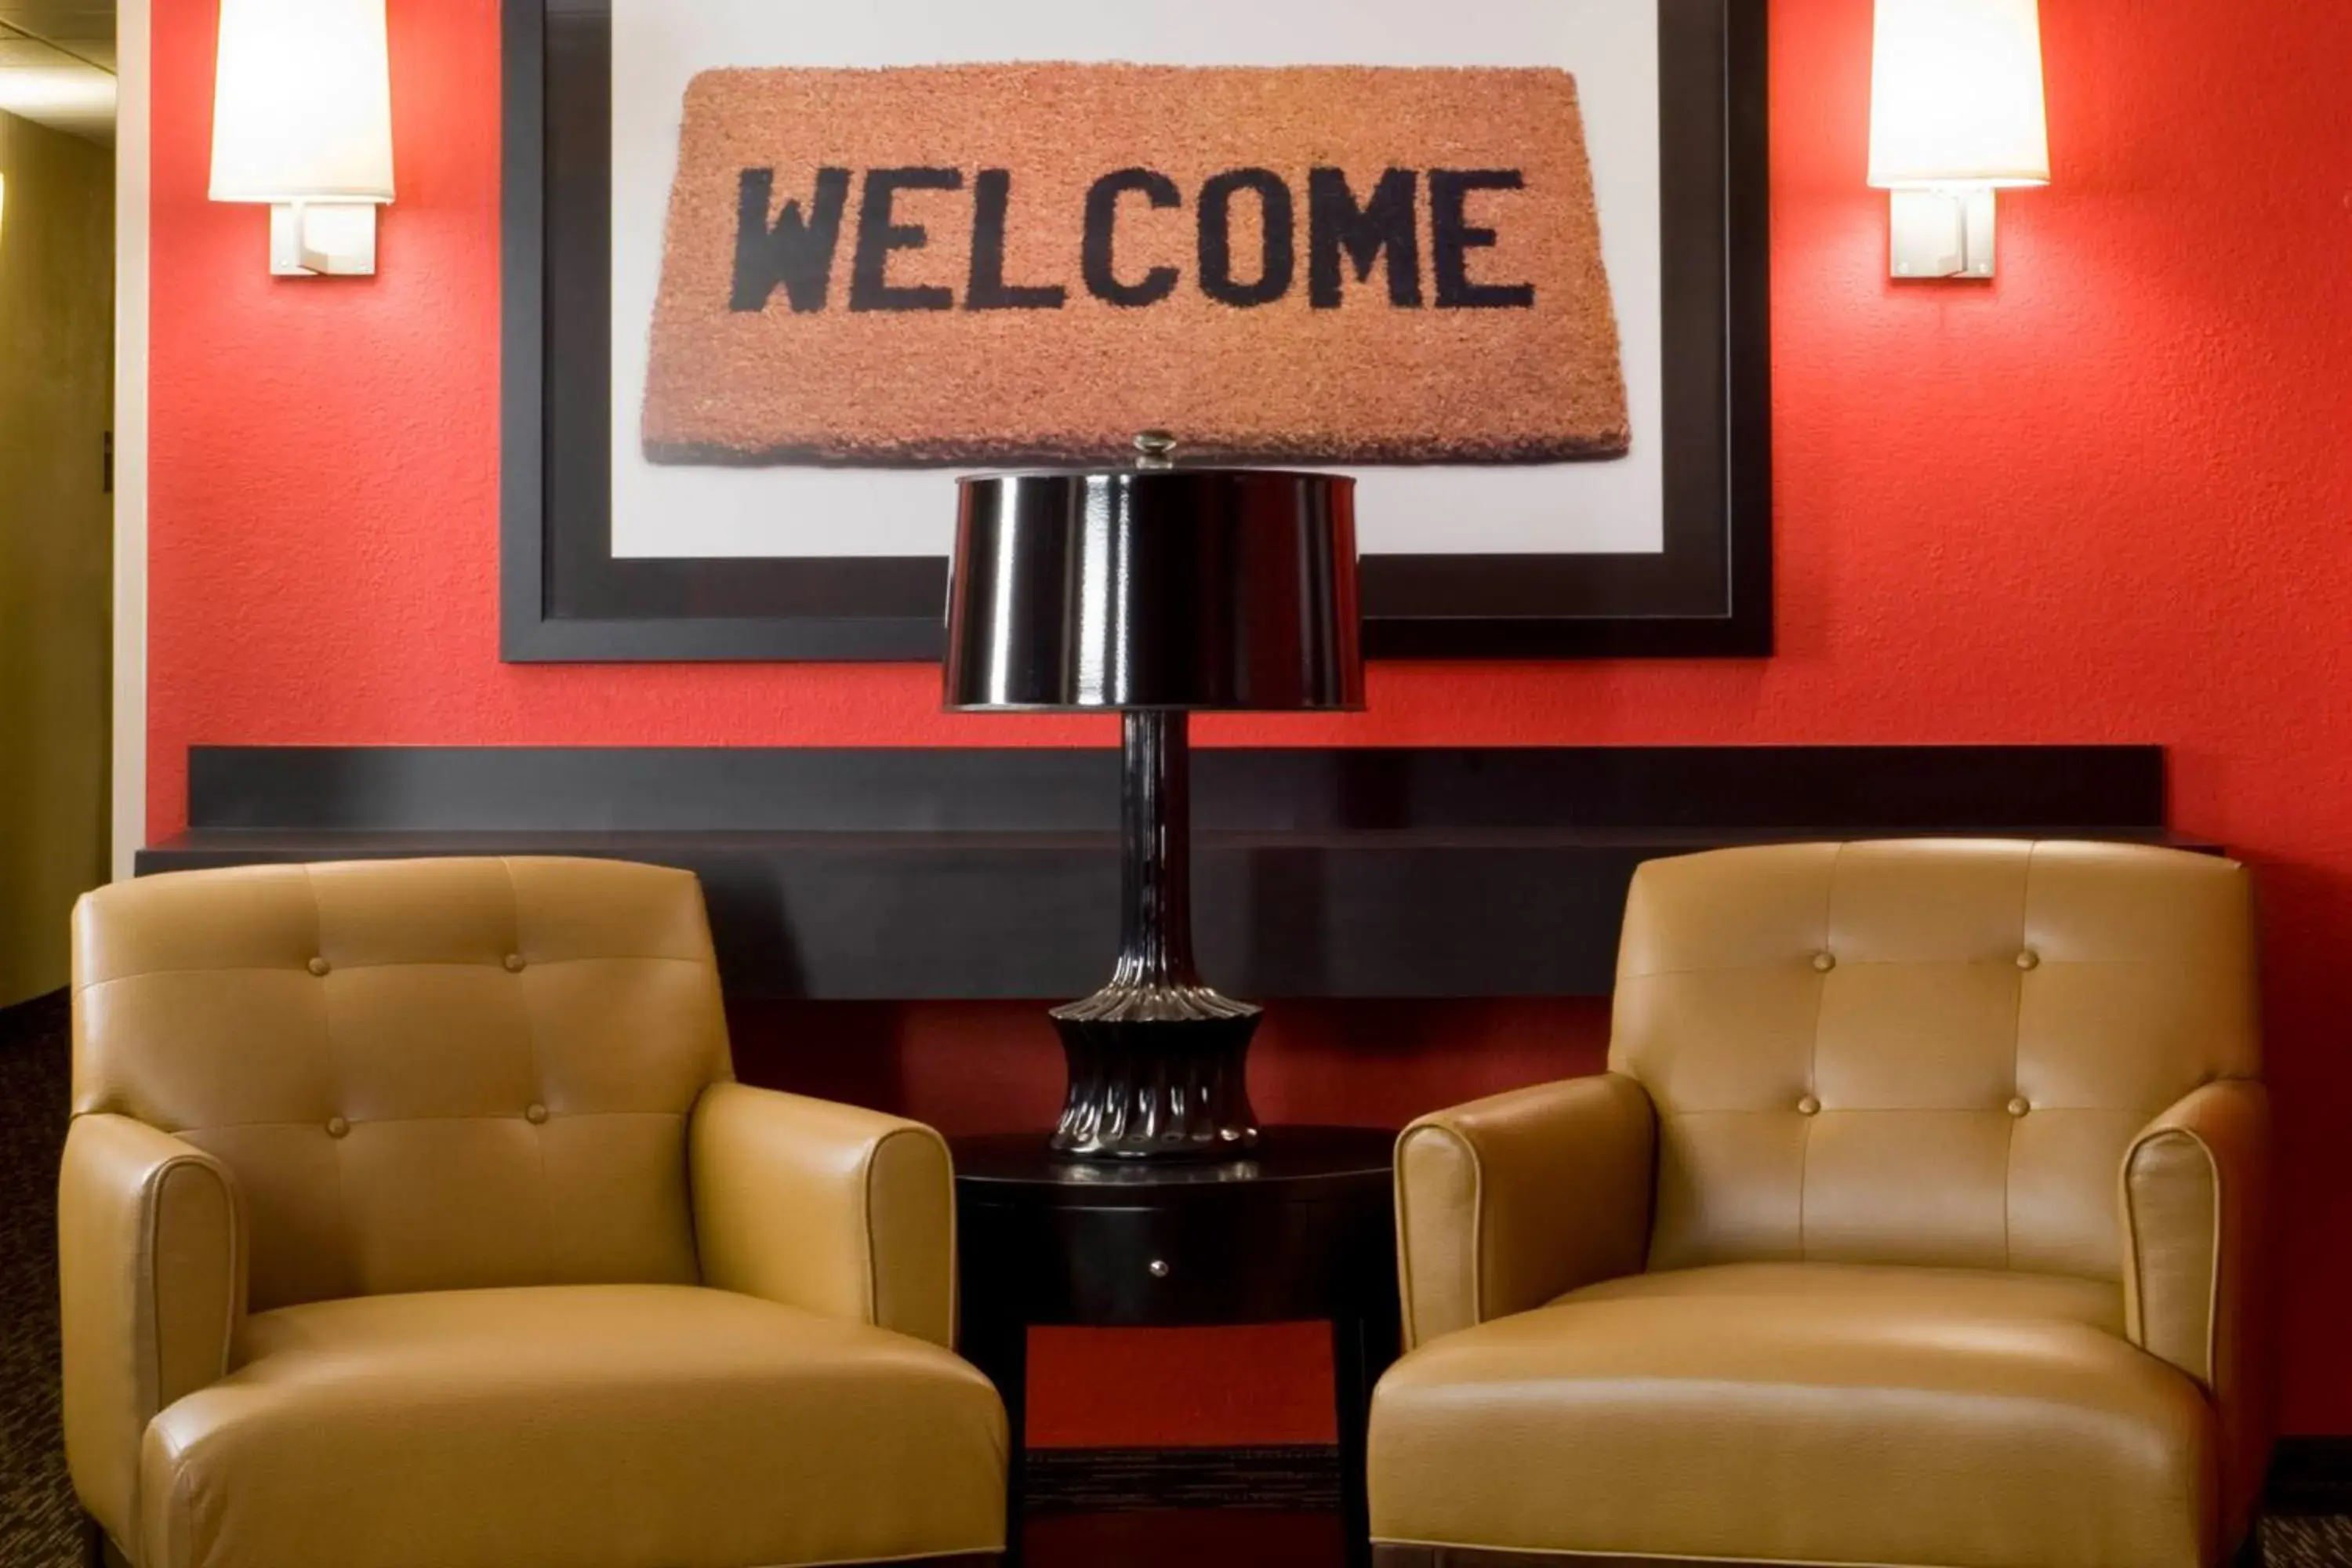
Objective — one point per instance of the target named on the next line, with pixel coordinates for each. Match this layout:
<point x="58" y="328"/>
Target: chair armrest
<point x="2196" y="1208"/>
<point x="151" y="1282"/>
<point x="1505" y="1203"/>
<point x="842" y="1212"/>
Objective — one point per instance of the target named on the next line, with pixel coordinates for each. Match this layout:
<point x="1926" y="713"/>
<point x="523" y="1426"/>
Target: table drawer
<point x="1208" y="1263"/>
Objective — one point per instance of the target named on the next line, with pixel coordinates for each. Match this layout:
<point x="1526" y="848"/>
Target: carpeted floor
<point x="40" y="1527"/>
<point x="2320" y="1540"/>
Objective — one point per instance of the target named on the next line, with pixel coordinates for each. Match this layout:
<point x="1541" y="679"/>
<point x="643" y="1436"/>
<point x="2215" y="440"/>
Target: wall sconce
<point x="1955" y="113"/>
<point x="302" y="122"/>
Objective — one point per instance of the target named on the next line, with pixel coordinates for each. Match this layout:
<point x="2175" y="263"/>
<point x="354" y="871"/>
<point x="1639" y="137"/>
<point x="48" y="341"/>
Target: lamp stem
<point x="1158" y="1062"/>
<point x="1156" y="877"/>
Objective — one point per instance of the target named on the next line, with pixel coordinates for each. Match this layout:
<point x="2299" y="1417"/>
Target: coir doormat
<point x="1033" y="262"/>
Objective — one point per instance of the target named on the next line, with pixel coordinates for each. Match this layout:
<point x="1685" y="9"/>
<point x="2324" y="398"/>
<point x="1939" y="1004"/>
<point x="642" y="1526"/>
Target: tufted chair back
<point x="424" y="1075"/>
<point x="1932" y="1052"/>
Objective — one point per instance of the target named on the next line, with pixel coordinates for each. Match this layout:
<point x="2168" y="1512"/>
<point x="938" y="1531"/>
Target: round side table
<point x="1304" y="1228"/>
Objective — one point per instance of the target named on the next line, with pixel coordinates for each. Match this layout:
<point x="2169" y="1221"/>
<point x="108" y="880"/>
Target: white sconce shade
<point x="302" y="122"/>
<point x="1956" y="95"/>
<point x="1957" y="111"/>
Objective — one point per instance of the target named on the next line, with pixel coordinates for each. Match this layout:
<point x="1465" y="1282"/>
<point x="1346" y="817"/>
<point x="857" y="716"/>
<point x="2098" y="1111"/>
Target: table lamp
<point x="1156" y="592"/>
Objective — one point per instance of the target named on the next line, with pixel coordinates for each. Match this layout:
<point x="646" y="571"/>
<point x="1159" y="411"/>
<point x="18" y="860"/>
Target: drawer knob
<point x="1156" y="1268"/>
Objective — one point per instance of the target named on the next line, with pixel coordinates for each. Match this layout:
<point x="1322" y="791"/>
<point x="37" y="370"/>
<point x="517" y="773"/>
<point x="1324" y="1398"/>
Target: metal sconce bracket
<point x="1943" y="233"/>
<point x="318" y="239"/>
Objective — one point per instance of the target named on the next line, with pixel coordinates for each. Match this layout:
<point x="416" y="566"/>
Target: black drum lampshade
<point x="1189" y="590"/>
<point x="1156" y="592"/>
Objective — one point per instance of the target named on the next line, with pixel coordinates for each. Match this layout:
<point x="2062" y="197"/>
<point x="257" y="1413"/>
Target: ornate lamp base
<point x="1156" y="1074"/>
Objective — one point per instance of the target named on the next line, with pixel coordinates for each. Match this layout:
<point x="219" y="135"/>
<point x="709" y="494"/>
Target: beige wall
<point x="57" y="358"/>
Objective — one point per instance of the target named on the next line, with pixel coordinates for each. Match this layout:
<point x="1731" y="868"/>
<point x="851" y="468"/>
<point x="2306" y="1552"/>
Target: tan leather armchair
<point x="1918" y="1220"/>
<point x="410" y="1219"/>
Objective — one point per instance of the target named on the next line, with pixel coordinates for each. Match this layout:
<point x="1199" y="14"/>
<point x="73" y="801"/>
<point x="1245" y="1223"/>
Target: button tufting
<point x="337" y="1127"/>
<point x="319" y="967"/>
<point x="1824" y="961"/>
<point x="1808" y="1106"/>
<point x="536" y="1114"/>
<point x="2029" y="959"/>
<point x="514" y="963"/>
<point x="2020" y="1106"/>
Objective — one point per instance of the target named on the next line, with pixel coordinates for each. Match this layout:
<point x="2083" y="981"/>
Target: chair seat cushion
<point x="590" y="1426"/>
<point x="1803" y="1412"/>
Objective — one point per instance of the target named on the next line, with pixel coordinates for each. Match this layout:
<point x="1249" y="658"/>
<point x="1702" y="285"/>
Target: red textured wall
<point x="2109" y="499"/>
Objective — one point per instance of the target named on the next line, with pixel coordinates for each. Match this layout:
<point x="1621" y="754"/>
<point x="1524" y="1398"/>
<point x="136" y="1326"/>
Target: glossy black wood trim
<point x="1656" y="792"/>
<point x="964" y="875"/>
<point x="1296" y="1164"/>
<point x="562" y="598"/>
<point x="971" y="917"/>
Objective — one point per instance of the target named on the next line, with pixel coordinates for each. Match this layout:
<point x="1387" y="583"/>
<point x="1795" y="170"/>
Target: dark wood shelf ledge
<point x="1319" y="873"/>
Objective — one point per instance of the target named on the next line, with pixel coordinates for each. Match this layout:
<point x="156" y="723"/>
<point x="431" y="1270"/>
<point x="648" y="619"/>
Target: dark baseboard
<point x="2310" y="1476"/>
<point x="1293" y="1479"/>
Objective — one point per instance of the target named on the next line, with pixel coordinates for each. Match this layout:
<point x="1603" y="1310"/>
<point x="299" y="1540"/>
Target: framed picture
<point x="776" y="270"/>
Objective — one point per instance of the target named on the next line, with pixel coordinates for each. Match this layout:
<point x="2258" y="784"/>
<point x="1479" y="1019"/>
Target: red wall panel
<point x="2106" y="499"/>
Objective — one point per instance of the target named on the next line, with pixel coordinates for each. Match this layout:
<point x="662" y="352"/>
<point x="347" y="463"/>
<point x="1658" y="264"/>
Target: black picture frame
<point x="565" y="598"/>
